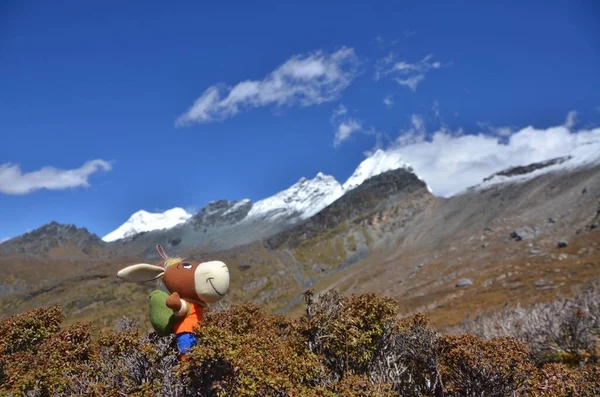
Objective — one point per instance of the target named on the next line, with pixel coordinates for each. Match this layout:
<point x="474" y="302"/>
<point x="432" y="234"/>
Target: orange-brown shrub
<point x="21" y="335"/>
<point x="471" y="366"/>
<point x="68" y="361"/>
<point x="343" y="346"/>
<point x="561" y="380"/>
<point x="346" y="332"/>
<point x="357" y="385"/>
<point x="45" y="370"/>
<point x="247" y="352"/>
<point x="127" y="363"/>
<point x="26" y="331"/>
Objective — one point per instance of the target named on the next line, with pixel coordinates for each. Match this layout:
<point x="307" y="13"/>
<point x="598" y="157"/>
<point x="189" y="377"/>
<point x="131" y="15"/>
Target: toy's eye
<point x="187" y="265"/>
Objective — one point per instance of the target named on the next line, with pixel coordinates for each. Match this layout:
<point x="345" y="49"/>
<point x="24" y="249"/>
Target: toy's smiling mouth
<point x="209" y="280"/>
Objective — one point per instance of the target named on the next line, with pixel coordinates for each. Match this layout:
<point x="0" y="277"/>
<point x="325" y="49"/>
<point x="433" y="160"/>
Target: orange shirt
<point x="192" y="319"/>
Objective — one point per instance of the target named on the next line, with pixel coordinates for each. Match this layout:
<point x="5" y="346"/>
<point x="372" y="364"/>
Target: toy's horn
<point x="161" y="252"/>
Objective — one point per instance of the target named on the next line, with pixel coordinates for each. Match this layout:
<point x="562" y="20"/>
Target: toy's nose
<point x="212" y="281"/>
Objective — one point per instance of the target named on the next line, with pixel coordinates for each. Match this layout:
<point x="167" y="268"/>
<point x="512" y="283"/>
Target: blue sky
<point x="108" y="86"/>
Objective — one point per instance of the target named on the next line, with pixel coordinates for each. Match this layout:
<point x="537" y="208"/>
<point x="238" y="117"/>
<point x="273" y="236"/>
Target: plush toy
<point x="190" y="287"/>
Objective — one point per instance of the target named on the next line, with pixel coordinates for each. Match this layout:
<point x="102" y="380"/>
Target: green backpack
<point x="161" y="317"/>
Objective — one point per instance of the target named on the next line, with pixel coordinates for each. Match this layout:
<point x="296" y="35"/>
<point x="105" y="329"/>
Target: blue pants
<point x="185" y="341"/>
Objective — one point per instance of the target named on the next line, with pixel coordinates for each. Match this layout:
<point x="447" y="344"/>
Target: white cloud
<point x="14" y="181"/>
<point x="406" y="68"/>
<point x="415" y="133"/>
<point x="571" y="119"/>
<point x="340" y="111"/>
<point x="381" y="67"/>
<point x="303" y="80"/>
<point x="405" y="73"/>
<point x="388" y="102"/>
<point x="411" y="82"/>
<point x="3" y="239"/>
<point x="344" y="125"/>
<point x="451" y="161"/>
<point x="344" y="130"/>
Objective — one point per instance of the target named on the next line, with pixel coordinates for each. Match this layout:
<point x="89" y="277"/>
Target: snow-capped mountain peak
<point x="304" y="198"/>
<point x="144" y="221"/>
<point x="307" y="197"/>
<point x="381" y="161"/>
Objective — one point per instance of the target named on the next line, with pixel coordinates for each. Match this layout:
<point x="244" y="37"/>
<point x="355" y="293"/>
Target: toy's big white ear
<point x="141" y="272"/>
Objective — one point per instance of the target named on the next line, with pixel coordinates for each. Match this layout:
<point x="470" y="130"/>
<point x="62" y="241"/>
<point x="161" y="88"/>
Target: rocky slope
<point x="449" y="257"/>
<point x="473" y="236"/>
<point x="369" y="198"/>
<point x="47" y="240"/>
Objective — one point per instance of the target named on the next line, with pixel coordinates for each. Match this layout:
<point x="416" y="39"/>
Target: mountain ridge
<point x="45" y="238"/>
<point x="224" y="214"/>
<point x="301" y="200"/>
<point x="394" y="237"/>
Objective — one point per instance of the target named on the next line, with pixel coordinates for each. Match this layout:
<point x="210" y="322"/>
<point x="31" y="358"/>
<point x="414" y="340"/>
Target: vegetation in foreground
<point x="342" y="346"/>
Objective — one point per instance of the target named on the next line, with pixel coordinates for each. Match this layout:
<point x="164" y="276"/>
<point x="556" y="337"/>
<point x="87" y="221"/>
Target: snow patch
<point x="237" y="206"/>
<point x="309" y="196"/>
<point x="380" y="162"/>
<point x="305" y="198"/>
<point x="144" y="221"/>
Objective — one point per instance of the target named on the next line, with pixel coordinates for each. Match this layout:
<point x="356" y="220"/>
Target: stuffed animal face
<point x="206" y="282"/>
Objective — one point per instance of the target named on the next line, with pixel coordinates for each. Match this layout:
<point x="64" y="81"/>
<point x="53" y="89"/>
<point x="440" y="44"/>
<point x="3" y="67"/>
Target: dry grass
<point x="512" y="281"/>
<point x="503" y="274"/>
